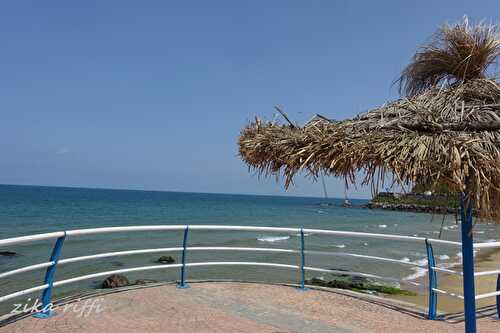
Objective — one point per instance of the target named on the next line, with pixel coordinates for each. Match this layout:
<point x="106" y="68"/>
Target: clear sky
<point x="153" y="94"/>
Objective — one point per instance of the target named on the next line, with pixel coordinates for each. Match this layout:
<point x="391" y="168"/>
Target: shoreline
<point x="486" y="260"/>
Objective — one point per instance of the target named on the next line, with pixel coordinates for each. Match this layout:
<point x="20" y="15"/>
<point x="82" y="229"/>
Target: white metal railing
<point x="54" y="261"/>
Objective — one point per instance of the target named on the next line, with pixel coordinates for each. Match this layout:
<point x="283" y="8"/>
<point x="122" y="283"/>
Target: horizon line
<point x="173" y="191"/>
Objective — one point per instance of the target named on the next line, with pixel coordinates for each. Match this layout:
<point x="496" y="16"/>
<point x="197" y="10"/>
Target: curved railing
<point x="60" y="237"/>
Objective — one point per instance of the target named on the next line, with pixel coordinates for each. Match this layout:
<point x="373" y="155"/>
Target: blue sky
<point x="152" y="94"/>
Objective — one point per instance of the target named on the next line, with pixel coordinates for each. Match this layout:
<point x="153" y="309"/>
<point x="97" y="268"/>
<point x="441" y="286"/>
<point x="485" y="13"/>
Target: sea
<point x="26" y="210"/>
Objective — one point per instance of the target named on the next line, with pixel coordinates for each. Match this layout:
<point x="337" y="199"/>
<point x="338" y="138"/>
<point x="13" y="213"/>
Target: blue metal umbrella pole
<point x="468" y="264"/>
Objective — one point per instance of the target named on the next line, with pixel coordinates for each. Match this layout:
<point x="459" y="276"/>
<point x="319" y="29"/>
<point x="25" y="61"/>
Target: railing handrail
<point x="51" y="265"/>
<point x="30" y="238"/>
<point x="200" y="248"/>
<point x="94" y="231"/>
<point x="194" y="264"/>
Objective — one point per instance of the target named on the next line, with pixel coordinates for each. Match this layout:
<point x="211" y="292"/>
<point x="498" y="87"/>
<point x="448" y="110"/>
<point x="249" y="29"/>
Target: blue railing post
<point x="182" y="284"/>
<point x="46" y="310"/>
<point x="498" y="297"/>
<point x="468" y="264"/>
<point x="302" y="262"/>
<point x="431" y="263"/>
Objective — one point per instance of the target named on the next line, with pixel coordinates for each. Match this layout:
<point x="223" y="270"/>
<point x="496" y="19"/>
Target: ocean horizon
<point x="176" y="191"/>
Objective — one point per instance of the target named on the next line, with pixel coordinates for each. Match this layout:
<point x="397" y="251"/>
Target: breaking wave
<point x="273" y="239"/>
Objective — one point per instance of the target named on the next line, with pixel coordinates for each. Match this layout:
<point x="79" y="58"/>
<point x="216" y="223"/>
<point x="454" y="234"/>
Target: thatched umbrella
<point x="444" y="130"/>
<point x="445" y="135"/>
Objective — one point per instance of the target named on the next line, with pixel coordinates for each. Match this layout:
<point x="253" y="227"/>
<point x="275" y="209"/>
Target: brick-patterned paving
<point x="239" y="307"/>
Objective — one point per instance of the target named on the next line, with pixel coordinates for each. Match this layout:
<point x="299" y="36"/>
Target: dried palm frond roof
<point x="456" y="54"/>
<point x="443" y="135"/>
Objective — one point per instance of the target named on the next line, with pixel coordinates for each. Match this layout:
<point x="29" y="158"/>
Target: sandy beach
<point x="486" y="260"/>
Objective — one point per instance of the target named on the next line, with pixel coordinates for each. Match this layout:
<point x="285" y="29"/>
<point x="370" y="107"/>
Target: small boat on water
<point x="347" y="203"/>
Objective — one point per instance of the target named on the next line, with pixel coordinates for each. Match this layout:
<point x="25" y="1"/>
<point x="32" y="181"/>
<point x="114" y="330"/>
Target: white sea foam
<point x="421" y="262"/>
<point x="382" y="225"/>
<point x="419" y="272"/>
<point x="422" y="270"/>
<point x="491" y="241"/>
<point x="365" y="244"/>
<point x="405" y="259"/>
<point x="340" y="246"/>
<point x="273" y="238"/>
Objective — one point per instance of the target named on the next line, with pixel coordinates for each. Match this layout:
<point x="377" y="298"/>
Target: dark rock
<point x="115" y="281"/>
<point x="166" y="260"/>
<point x="7" y="253"/>
<point x="338" y="275"/>
<point x="360" y="279"/>
<point x="358" y="285"/>
<point x="144" y="281"/>
<point x="342" y="280"/>
<point x="317" y="282"/>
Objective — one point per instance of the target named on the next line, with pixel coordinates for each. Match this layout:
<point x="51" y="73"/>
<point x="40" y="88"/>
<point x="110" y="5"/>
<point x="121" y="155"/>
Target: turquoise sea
<point x="28" y="210"/>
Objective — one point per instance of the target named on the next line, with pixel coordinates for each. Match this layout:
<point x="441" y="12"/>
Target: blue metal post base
<point x="44" y="315"/>
<point x="302" y="263"/>
<point x="183" y="284"/>
<point x="49" y="280"/>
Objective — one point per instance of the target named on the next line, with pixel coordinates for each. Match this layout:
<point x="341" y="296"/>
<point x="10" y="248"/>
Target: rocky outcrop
<point x="411" y="207"/>
<point x="166" y="260"/>
<point x="145" y="281"/>
<point x="115" y="281"/>
<point x="359" y="284"/>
